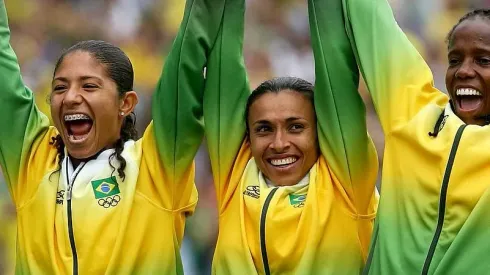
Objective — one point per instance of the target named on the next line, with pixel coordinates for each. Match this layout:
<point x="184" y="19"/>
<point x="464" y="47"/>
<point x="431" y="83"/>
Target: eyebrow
<point x="84" y="77"/>
<point x="290" y="119"/>
<point x="264" y="121"/>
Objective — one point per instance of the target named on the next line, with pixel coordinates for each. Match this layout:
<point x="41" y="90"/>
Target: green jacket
<point x="320" y="227"/>
<point x="433" y="216"/>
<point x="90" y="221"/>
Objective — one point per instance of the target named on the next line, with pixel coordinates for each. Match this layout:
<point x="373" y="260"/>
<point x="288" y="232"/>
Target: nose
<point x="72" y="97"/>
<point x="280" y="143"/>
<point x="466" y="70"/>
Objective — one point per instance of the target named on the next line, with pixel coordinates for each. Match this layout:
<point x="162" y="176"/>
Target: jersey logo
<point x="106" y="191"/>
<point x="109" y="201"/>
<point x="297" y="200"/>
<point x="252" y="191"/>
<point x="60" y="196"/>
<point x="105" y="187"/>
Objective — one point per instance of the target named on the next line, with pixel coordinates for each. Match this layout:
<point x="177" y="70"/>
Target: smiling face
<point x="283" y="138"/>
<point x="468" y="73"/>
<point x="85" y="105"/>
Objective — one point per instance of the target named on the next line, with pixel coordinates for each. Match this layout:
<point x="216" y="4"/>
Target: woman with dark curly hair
<point x="433" y="216"/>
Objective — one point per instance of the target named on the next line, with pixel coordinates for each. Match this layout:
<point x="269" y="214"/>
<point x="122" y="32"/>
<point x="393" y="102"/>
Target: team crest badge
<point x="297" y="200"/>
<point x="107" y="192"/>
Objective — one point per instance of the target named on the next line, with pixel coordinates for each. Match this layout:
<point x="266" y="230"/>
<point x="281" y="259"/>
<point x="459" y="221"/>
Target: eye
<point x="90" y="86"/>
<point x="453" y="61"/>
<point x="296" y="128"/>
<point x="483" y="61"/>
<point x="263" y="129"/>
<point x="59" y="88"/>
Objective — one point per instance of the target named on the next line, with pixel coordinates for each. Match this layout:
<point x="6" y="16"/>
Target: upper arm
<point x="398" y="78"/>
<point x="177" y="110"/>
<point x="21" y="123"/>
<point x="341" y="114"/>
<point x="225" y="96"/>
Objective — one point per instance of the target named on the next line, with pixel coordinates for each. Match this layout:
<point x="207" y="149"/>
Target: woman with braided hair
<point x="91" y="199"/>
<point x="434" y="216"/>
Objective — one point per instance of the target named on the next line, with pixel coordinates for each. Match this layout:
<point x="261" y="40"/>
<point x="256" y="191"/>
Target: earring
<point x="121" y="113"/>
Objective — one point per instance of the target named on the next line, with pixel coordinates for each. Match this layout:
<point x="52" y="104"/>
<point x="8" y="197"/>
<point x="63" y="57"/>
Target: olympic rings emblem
<point x="109" y="201"/>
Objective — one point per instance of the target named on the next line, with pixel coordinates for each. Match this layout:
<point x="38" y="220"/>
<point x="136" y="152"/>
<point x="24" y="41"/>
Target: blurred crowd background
<point x="276" y="44"/>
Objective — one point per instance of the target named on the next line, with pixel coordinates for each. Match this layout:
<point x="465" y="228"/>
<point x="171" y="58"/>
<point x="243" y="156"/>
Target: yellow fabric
<point x="319" y="234"/>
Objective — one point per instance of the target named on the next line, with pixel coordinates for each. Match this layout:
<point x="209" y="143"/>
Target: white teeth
<point x="76" y="117"/>
<point x="285" y="161"/>
<point x="467" y="91"/>
<point x="77" y="139"/>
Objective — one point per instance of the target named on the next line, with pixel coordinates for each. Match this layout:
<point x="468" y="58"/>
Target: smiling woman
<point x="92" y="101"/>
<point x="434" y="215"/>
<point x="90" y="198"/>
<point x="468" y="73"/>
<point x="294" y="170"/>
<point x="281" y="127"/>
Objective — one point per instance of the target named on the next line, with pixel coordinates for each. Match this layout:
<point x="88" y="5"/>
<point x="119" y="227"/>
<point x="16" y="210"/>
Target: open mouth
<point x="283" y="162"/>
<point x="468" y="99"/>
<point x="78" y="127"/>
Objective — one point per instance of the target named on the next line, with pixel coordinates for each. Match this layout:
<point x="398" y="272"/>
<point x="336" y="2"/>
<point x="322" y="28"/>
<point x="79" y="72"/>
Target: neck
<point x="304" y="180"/>
<point x="75" y="162"/>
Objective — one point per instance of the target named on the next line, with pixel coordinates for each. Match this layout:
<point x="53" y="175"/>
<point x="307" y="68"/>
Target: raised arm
<point x="21" y="121"/>
<point x="225" y="97"/>
<point x="399" y="80"/>
<point x="341" y="114"/>
<point x="177" y="102"/>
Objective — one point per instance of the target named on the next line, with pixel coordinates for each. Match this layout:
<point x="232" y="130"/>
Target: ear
<point x="128" y="103"/>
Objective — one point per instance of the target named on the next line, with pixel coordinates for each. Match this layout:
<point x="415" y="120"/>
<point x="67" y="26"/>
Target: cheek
<point x="55" y="106"/>
<point x="486" y="79"/>
<point x="449" y="77"/>
<point x="309" y="144"/>
<point x="104" y="108"/>
<point x="258" y="146"/>
<point x="55" y="102"/>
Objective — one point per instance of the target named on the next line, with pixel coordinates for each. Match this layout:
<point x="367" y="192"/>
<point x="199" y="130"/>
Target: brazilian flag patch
<point x="296" y="199"/>
<point x="105" y="187"/>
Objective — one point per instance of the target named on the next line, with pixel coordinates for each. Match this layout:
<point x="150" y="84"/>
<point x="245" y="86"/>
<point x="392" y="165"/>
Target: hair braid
<point x="128" y="131"/>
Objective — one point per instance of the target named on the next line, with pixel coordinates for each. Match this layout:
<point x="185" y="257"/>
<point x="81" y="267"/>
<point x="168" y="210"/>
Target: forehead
<point x="471" y="32"/>
<point x="280" y="106"/>
<point x="80" y="63"/>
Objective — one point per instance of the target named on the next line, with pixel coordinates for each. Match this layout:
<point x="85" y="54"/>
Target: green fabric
<point x="177" y="105"/>
<point x="225" y="97"/>
<point x="342" y="129"/>
<point x="21" y="121"/>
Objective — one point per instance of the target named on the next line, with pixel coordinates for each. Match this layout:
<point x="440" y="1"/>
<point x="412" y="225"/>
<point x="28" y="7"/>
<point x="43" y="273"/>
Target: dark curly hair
<point x="120" y="70"/>
<point x="478" y="13"/>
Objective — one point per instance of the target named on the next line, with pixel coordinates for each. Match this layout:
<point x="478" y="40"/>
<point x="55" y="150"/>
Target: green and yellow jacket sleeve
<point x="341" y="114"/>
<point x="177" y="102"/>
<point x="22" y="123"/>
<point x="225" y="97"/>
<point x="399" y="80"/>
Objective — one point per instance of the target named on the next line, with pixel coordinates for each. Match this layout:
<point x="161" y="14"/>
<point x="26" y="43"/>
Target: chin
<point x="80" y="153"/>
<point x="286" y="180"/>
<point x="471" y="120"/>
